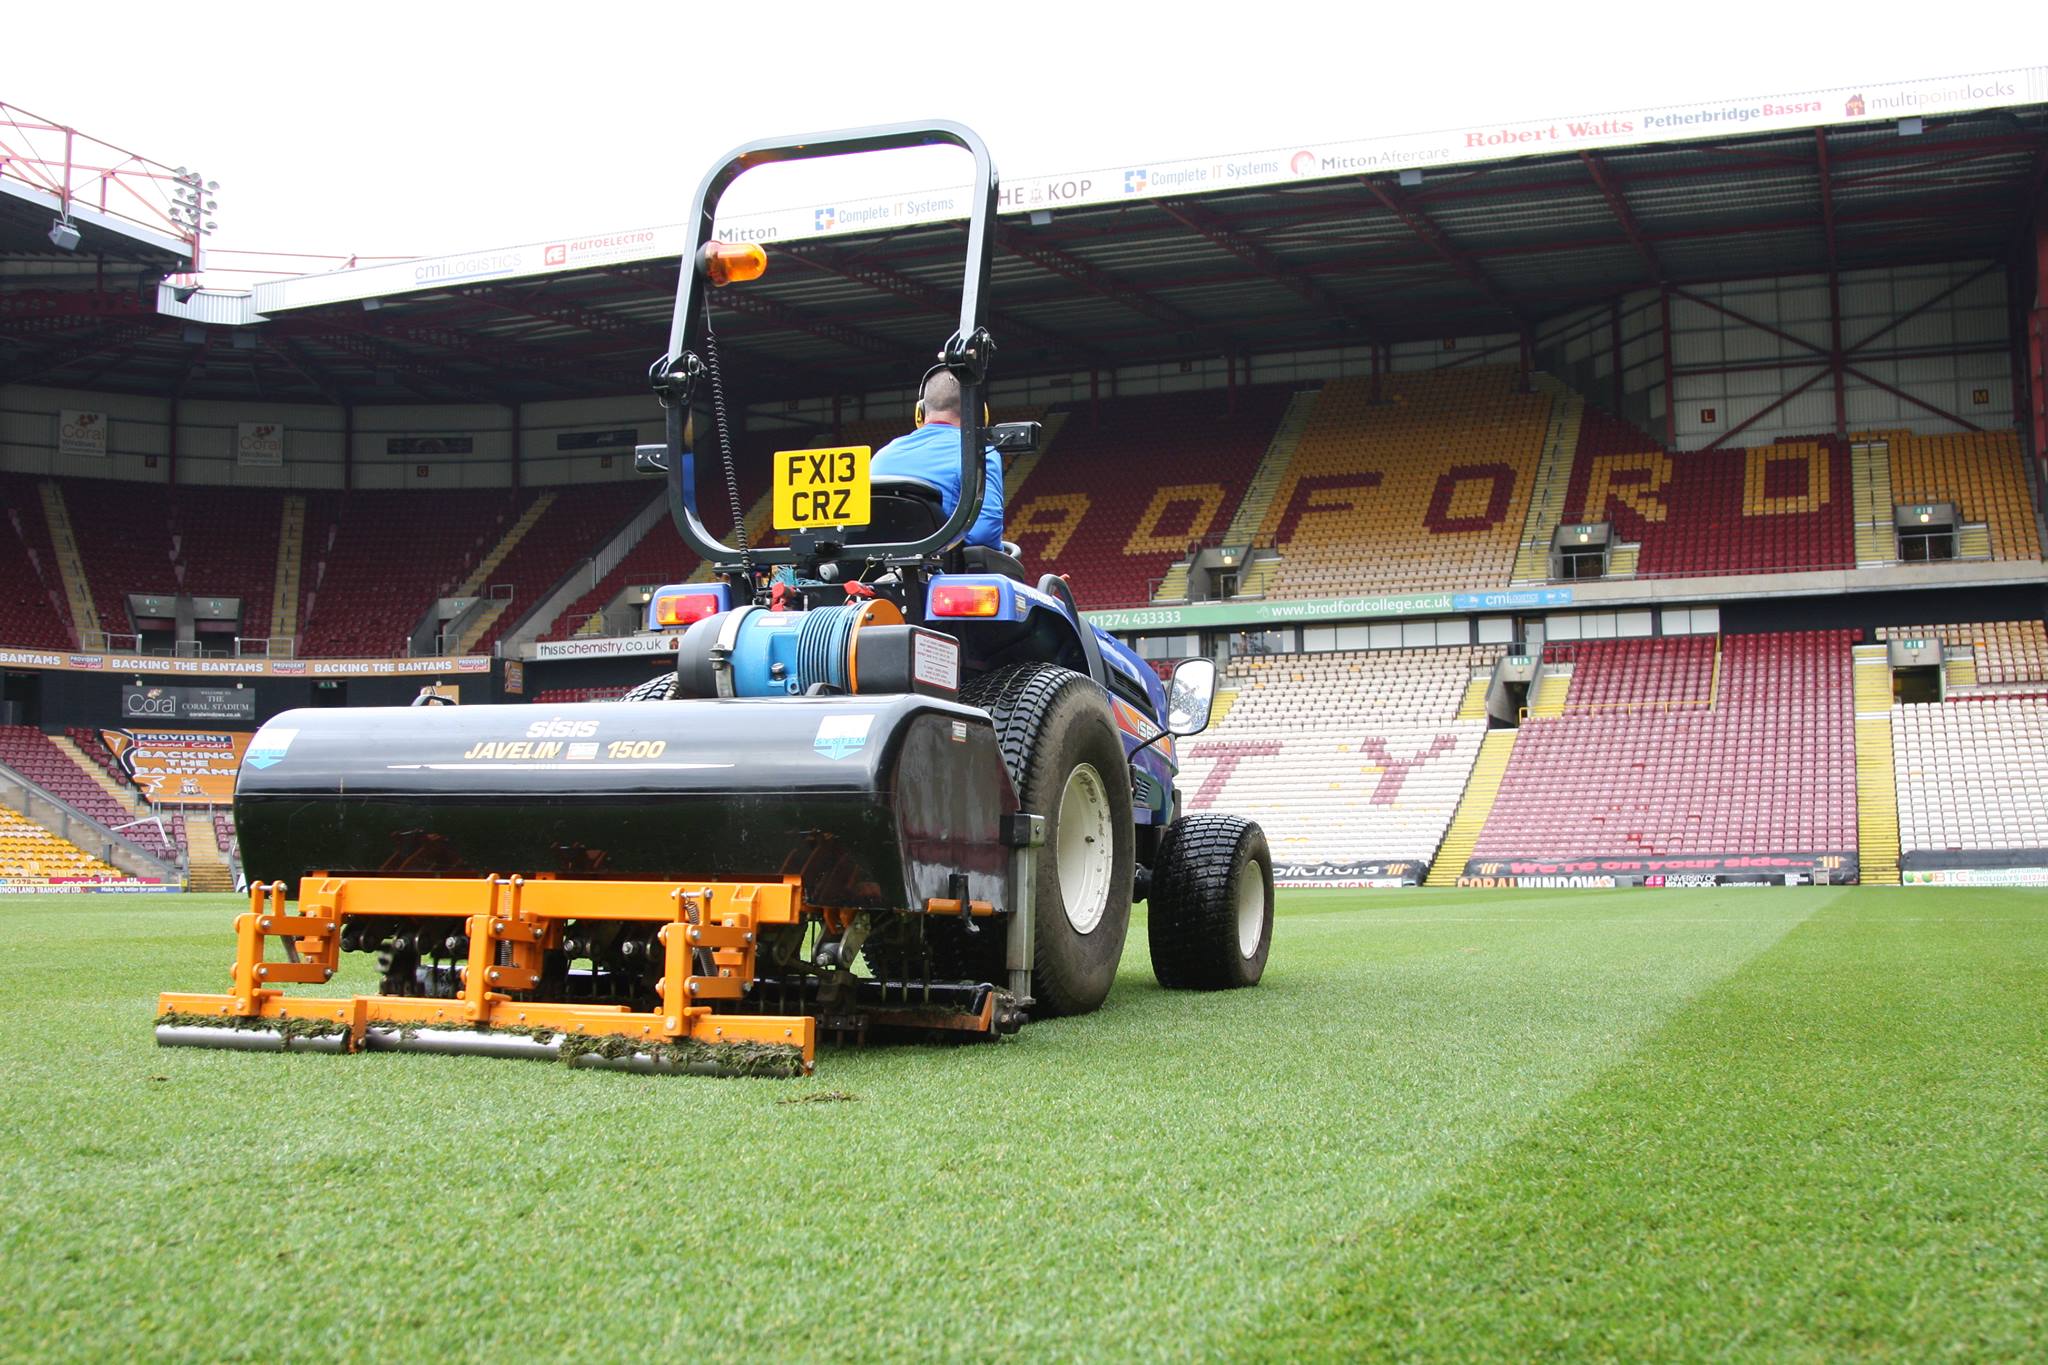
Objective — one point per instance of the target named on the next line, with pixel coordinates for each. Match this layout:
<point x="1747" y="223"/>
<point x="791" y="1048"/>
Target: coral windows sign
<point x="82" y="433"/>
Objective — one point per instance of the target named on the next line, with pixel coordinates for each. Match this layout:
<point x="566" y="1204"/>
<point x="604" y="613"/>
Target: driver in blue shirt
<point x="932" y="453"/>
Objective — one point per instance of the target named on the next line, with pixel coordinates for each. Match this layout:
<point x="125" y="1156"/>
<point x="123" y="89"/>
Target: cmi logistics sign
<point x="1222" y="615"/>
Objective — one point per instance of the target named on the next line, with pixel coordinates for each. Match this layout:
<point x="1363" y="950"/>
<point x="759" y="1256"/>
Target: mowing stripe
<point x="1841" y="1150"/>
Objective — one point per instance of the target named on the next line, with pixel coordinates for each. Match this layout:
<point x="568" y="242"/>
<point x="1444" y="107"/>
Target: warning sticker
<point x="935" y="660"/>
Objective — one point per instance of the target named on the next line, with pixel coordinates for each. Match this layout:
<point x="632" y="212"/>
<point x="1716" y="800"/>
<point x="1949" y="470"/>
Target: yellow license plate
<point x="815" y="488"/>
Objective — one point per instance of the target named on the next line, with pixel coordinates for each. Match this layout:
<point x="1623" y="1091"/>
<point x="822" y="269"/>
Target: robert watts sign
<point x="1862" y="102"/>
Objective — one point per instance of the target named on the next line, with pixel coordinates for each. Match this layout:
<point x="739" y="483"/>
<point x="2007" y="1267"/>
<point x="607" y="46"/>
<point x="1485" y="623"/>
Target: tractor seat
<point x="905" y="509"/>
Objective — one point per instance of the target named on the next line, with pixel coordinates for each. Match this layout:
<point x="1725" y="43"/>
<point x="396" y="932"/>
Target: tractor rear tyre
<point x="661" y="687"/>
<point x="1066" y="757"/>
<point x="1211" y="916"/>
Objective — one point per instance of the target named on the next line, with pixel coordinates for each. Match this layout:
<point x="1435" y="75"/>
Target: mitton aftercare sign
<point x="161" y="704"/>
<point x="259" y="443"/>
<point x="82" y="433"/>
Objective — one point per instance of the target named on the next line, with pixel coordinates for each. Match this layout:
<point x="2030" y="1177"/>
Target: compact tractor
<point x="894" y="784"/>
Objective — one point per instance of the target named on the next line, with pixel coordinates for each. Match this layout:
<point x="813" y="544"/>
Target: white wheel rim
<point x="1251" y="909"/>
<point x="1087" y="851"/>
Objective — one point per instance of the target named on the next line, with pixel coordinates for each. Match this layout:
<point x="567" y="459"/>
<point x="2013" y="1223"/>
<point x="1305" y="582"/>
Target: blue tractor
<point x="893" y="783"/>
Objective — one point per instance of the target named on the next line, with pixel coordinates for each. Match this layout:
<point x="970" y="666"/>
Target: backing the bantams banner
<point x="179" y="767"/>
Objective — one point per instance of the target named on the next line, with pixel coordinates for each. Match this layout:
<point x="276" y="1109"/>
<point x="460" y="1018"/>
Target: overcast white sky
<point x="425" y="128"/>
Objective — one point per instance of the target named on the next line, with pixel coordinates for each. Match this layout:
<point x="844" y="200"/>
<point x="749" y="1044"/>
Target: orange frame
<point x="527" y="917"/>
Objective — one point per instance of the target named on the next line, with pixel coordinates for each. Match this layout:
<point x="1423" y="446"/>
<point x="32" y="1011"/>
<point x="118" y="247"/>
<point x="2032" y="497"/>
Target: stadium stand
<point x="2006" y="651"/>
<point x="1766" y="509"/>
<point x="124" y="543"/>
<point x="1425" y="491"/>
<point x="558" y="695"/>
<point x="1653" y="755"/>
<point x="377" y="561"/>
<point x="1973" y="774"/>
<point x="28" y="852"/>
<point x="1344" y="756"/>
<point x="1982" y="472"/>
<point x="227" y="547"/>
<point x="31" y="753"/>
<point x="577" y="522"/>
<point x="1112" y="503"/>
<point x="31" y="598"/>
<point x="659" y="557"/>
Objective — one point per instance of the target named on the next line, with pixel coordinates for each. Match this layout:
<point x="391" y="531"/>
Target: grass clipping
<point x="778" y="1061"/>
<point x="286" y="1029"/>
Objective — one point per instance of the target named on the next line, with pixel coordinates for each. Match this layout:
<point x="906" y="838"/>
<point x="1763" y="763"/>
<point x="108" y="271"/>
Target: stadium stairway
<point x="291" y="559"/>
<point x="1877" y="792"/>
<point x="1870" y="470"/>
<point x="758" y="517"/>
<point x="1553" y="482"/>
<point x="1473" y="707"/>
<point x="1020" y="468"/>
<point x="1272" y="470"/>
<point x="130" y="799"/>
<point x="1622" y="560"/>
<point x="480" y="577"/>
<point x="1553" y="688"/>
<point x="1473" y="808"/>
<point x="85" y="614"/>
<point x="207" y="868"/>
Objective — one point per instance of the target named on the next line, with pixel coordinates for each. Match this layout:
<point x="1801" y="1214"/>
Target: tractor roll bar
<point x="676" y="376"/>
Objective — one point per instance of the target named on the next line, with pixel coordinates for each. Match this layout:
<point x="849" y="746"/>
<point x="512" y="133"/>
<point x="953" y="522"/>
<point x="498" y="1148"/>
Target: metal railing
<point x="81" y="171"/>
<point x="240" y="646"/>
<point x="74" y="826"/>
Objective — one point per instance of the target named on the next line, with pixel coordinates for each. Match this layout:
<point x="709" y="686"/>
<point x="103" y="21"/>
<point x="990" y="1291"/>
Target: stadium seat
<point x="1972" y="774"/>
<point x="1653" y="757"/>
<point x="1425" y="491"/>
<point x="1343" y="756"/>
<point x="1780" y="508"/>
<point x="29" y="752"/>
<point x="1112" y="503"/>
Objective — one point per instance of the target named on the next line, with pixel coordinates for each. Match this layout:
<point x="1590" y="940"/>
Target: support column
<point x="1836" y="359"/>
<point x="518" y="452"/>
<point x="1614" y="350"/>
<point x="1670" y="393"/>
<point x="348" y="448"/>
<point x="171" y="446"/>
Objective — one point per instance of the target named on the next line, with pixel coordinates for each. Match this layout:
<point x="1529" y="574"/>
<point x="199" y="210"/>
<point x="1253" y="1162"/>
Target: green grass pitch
<point x="1804" y="1124"/>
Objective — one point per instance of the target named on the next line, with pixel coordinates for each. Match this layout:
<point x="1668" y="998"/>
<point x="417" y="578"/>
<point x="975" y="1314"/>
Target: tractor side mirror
<point x="650" y="459"/>
<point x="1191" y="696"/>
<point x="1015" y="438"/>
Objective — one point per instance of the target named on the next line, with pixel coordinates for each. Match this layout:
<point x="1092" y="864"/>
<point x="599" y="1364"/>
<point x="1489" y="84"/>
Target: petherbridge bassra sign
<point x="157" y="705"/>
<point x="179" y="767"/>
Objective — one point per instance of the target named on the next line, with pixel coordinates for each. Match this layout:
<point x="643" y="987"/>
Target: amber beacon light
<point x="733" y="263"/>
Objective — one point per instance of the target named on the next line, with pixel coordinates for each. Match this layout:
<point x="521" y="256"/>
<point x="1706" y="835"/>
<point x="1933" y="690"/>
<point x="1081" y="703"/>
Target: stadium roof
<point x="1393" y="240"/>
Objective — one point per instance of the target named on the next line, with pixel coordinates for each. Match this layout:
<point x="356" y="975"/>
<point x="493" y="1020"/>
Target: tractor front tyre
<point x="1066" y="757"/>
<point x="1211" y="912"/>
